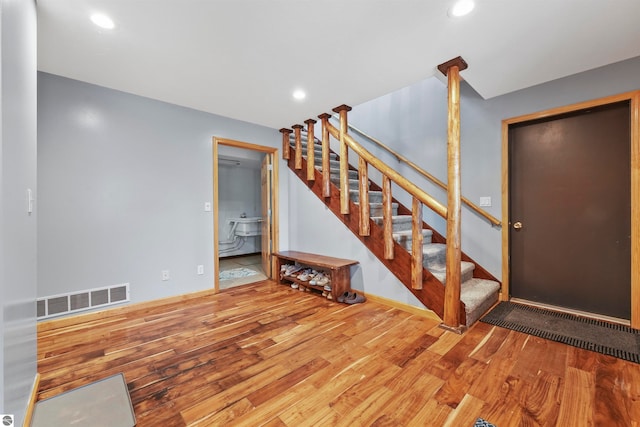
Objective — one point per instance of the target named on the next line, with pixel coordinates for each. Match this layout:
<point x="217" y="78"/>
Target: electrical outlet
<point x="200" y="269"/>
<point x="485" y="201"/>
<point x="165" y="275"/>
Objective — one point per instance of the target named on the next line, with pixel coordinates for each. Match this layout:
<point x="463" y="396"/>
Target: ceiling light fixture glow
<point x="461" y="8"/>
<point x="299" y="94"/>
<point x="102" y="21"/>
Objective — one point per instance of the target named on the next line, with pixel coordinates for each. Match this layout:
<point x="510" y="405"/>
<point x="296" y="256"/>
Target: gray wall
<point x="17" y="227"/>
<point x="413" y="122"/>
<point x="123" y="181"/>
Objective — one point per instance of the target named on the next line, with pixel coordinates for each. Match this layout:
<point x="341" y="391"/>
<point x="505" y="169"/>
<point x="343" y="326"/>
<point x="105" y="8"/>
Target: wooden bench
<point x="337" y="268"/>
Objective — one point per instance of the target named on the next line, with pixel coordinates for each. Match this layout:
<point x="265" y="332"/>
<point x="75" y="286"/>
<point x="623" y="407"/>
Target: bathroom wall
<point x="239" y="189"/>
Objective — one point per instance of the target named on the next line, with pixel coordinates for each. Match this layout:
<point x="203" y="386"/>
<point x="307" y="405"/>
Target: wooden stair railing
<point x="445" y="302"/>
<point x="403" y="159"/>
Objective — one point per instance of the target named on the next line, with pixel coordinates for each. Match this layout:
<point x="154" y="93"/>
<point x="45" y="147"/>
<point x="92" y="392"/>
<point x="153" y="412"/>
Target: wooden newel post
<point x="344" y="159"/>
<point x="298" y="153"/>
<point x="286" y="143"/>
<point x="311" y="162"/>
<point x="452" y="316"/>
<point x="326" y="166"/>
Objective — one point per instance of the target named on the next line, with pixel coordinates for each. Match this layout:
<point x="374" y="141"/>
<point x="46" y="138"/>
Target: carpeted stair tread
<point x="317" y="149"/>
<point x="317" y="156"/>
<point x="400" y="222"/>
<point x="376" y="208"/>
<point x="335" y="173"/>
<point x="374" y="196"/>
<point x="466" y="272"/>
<point x="303" y="137"/>
<point x="478" y="295"/>
<point x="405" y="238"/>
<point x="333" y="164"/>
<point x="317" y="153"/>
<point x="434" y="255"/>
<point x="354" y="184"/>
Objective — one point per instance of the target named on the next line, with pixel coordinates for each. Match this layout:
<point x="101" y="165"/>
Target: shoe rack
<point x="338" y="269"/>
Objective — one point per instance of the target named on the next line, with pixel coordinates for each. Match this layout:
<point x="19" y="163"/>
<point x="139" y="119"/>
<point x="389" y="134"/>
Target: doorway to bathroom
<point x="245" y="212"/>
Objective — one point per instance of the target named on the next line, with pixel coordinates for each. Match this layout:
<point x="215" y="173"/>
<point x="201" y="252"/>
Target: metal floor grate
<point x="56" y="305"/>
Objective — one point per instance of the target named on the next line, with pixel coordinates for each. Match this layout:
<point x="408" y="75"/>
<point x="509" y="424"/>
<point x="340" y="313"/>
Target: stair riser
<point x="374" y="197"/>
<point x="376" y="209"/>
<point x="335" y="174"/>
<point x="353" y="183"/>
<point x="317" y="157"/>
<point x="333" y="157"/>
<point x="303" y="139"/>
<point x="406" y="241"/>
<point x="465" y="275"/>
<point x="401" y="225"/>
<point x="317" y="153"/>
<point x="434" y="256"/>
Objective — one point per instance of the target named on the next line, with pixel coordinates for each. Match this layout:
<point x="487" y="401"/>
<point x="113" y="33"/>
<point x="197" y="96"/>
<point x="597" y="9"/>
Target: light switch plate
<point x="207" y="206"/>
<point x="485" y="201"/>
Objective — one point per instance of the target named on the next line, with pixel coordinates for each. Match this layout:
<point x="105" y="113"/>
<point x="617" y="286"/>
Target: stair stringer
<point x="432" y="292"/>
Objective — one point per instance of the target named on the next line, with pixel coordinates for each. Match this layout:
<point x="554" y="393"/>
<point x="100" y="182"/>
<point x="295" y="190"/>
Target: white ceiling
<point x="243" y="58"/>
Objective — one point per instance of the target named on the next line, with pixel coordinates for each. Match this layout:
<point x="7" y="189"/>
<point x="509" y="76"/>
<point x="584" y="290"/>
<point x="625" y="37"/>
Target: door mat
<point x="480" y="422"/>
<point x="237" y="273"/>
<point x="607" y="338"/>
<point x="104" y="403"/>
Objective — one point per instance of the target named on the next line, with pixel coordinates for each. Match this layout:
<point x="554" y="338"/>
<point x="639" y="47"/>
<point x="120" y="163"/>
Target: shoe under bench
<point x="339" y="270"/>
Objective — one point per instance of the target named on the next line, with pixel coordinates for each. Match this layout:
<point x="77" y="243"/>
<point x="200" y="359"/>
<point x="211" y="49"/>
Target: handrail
<point x="493" y="220"/>
<point x="395" y="176"/>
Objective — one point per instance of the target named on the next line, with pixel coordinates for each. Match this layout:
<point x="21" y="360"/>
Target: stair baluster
<point x="344" y="158"/>
<point x="387" y="217"/>
<point x="298" y="153"/>
<point x="311" y="172"/>
<point x="363" y="185"/>
<point x="286" y="143"/>
<point x="326" y="173"/>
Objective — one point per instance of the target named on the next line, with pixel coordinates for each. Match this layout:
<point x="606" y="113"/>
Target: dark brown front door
<point x="570" y="210"/>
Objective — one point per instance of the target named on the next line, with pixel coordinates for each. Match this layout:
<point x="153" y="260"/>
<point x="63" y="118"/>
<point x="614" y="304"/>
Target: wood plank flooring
<point x="264" y="354"/>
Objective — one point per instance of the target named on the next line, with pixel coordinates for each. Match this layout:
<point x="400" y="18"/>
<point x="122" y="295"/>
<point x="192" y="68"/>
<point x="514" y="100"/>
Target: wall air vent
<point x="57" y="305"/>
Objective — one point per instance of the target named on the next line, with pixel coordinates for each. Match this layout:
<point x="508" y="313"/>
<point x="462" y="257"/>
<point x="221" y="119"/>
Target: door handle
<point x="517" y="225"/>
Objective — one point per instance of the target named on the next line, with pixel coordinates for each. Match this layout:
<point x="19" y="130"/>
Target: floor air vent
<point x="57" y="305"/>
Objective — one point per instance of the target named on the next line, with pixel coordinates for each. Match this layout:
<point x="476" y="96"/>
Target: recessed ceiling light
<point x="299" y="94"/>
<point x="461" y="8"/>
<point x="102" y="21"/>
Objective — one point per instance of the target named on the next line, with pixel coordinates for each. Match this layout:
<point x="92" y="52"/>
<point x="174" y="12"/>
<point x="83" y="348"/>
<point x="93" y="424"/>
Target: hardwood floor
<point x="264" y="354"/>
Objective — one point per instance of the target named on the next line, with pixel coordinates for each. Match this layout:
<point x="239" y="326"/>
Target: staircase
<point x="478" y="290"/>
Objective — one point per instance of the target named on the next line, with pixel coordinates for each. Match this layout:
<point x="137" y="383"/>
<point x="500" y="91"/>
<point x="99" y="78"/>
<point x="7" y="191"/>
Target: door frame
<point x="634" y="101"/>
<point x="269" y="151"/>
